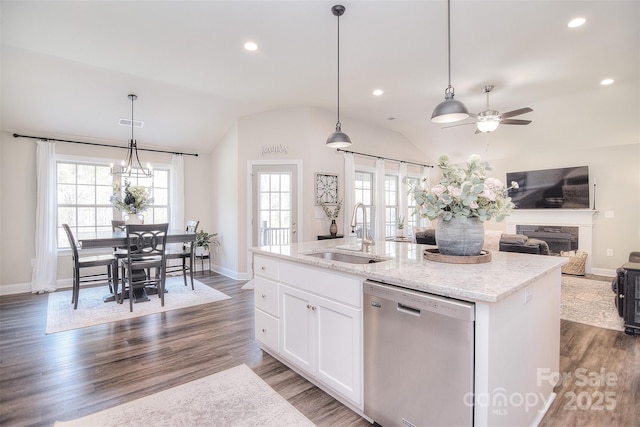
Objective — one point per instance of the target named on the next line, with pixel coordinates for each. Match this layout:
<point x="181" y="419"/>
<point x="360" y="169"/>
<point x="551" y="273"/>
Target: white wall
<point x="224" y="195"/>
<point x="304" y="132"/>
<point x="617" y="171"/>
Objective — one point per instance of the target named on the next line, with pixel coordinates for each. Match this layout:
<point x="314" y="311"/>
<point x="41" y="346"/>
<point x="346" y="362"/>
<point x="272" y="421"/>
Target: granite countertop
<point x="406" y="266"/>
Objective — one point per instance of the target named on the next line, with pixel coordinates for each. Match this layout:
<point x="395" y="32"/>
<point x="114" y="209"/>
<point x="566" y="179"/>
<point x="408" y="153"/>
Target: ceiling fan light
<point x="487" y="125"/>
<point x="338" y="139"/>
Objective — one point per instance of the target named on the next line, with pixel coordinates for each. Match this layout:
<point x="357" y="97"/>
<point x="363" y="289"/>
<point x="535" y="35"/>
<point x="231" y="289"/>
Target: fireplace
<point x="547" y="221"/>
<point x="558" y="237"/>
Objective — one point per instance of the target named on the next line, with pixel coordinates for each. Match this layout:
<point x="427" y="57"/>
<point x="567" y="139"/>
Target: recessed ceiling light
<point x="576" y="22"/>
<point x="606" y="82"/>
<point x="251" y="46"/>
<point x="378" y="92"/>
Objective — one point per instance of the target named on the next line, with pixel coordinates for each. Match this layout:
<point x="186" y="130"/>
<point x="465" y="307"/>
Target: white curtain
<point x="349" y="190"/>
<point x="45" y="265"/>
<point x="426" y="173"/>
<point x="176" y="191"/>
<point x="378" y="230"/>
<point x="402" y="197"/>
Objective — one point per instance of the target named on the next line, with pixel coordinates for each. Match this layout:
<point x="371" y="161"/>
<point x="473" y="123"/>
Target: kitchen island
<point x="309" y="314"/>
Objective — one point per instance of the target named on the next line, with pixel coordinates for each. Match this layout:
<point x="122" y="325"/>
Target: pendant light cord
<point x="338" y="69"/>
<point x="449" y="38"/>
<point x="133" y="98"/>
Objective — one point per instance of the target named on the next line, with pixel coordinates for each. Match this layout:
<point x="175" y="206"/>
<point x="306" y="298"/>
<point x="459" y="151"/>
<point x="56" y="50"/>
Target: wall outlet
<point x="609" y="252"/>
<point x="528" y="295"/>
<point x="608" y="214"/>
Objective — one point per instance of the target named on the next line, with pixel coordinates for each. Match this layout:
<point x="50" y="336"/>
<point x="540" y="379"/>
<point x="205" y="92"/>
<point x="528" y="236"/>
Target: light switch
<point x="608" y="214"/>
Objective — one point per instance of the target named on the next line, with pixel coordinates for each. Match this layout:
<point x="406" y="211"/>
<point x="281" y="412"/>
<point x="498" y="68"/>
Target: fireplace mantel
<point x="581" y="218"/>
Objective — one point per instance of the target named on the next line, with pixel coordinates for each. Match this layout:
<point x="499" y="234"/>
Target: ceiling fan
<point x="488" y="120"/>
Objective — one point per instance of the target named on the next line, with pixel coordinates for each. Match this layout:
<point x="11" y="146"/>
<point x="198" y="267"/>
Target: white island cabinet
<point x="318" y="314"/>
<point x="319" y="319"/>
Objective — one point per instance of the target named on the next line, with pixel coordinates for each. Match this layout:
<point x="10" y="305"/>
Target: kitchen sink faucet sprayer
<point x="367" y="242"/>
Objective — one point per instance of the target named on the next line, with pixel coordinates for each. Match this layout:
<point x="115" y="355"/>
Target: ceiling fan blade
<point x="514" y="122"/>
<point x="459" y="124"/>
<point x="515" y="112"/>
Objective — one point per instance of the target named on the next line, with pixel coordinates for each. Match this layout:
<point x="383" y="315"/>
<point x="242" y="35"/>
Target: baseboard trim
<point x="25" y="288"/>
<point x="232" y="274"/>
<point x="603" y="272"/>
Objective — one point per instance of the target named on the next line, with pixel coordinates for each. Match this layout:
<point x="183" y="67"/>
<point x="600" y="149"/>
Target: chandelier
<point x="132" y="166"/>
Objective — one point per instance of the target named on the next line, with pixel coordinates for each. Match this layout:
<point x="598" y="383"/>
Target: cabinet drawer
<point x="265" y="267"/>
<point x="267" y="330"/>
<point x="333" y="285"/>
<point x="266" y="296"/>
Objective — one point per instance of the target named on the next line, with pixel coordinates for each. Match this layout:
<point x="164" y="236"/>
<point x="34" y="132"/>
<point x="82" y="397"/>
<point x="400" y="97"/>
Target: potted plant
<point x="463" y="200"/>
<point x="332" y="215"/>
<point x="204" y="240"/>
<point x="400" y="225"/>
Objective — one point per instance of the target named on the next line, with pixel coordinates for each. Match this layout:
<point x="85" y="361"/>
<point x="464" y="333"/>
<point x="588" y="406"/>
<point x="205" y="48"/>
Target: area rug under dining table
<point x="235" y="397"/>
<point x="92" y="310"/>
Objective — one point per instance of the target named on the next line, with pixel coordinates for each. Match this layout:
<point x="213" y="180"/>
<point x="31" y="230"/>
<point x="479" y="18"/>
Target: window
<point x="411" y="220"/>
<point x="414" y="220"/>
<point x="83" y="193"/>
<point x="391" y="205"/>
<point x="274" y="207"/>
<point x="364" y="194"/>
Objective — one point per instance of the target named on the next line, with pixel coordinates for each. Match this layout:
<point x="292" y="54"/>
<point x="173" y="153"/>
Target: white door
<point x="275" y="201"/>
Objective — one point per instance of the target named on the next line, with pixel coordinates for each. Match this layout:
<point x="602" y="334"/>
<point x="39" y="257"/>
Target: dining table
<point x="115" y="239"/>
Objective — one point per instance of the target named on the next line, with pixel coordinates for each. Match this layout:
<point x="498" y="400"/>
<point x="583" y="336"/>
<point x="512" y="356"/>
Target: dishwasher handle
<point x="408" y="310"/>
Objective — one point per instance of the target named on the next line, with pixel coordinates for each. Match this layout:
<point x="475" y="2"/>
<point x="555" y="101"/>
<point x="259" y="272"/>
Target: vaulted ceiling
<point x="67" y="67"/>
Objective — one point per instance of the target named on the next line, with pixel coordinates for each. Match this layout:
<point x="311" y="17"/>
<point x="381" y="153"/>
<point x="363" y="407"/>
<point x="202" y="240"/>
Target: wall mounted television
<point x="563" y="188"/>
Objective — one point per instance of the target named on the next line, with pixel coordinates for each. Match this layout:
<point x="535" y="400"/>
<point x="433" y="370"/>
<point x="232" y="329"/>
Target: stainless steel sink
<point x="348" y="258"/>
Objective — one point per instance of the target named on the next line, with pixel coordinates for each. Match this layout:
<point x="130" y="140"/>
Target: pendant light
<point x="127" y="167"/>
<point x="449" y="110"/>
<point x="338" y="139"/>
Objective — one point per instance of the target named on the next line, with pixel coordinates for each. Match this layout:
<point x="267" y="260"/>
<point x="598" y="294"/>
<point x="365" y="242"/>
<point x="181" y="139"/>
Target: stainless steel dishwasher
<point x="418" y="358"/>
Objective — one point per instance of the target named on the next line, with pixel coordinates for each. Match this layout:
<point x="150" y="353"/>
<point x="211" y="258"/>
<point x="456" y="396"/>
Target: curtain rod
<point x="15" y="135"/>
<point x="384" y="158"/>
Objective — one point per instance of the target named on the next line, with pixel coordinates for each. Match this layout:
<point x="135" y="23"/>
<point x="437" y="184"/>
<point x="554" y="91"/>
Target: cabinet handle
<point x="264" y="330"/>
<point x="309" y="306"/>
<point x="263" y="268"/>
<point x="313" y="307"/>
<point x="264" y="295"/>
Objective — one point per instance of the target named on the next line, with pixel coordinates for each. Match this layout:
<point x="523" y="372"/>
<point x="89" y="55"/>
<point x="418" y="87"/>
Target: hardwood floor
<point x="45" y="378"/>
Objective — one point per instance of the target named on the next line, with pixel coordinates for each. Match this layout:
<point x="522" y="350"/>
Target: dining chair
<point x="186" y="251"/>
<point x="146" y="250"/>
<point x="86" y="262"/>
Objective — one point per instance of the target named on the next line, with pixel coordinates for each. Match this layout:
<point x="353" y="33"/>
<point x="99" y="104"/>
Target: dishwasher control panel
<point x="414" y="302"/>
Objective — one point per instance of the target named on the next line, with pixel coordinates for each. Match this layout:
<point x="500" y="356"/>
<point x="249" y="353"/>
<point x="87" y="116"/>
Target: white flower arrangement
<point x="332" y="214"/>
<point x="467" y="193"/>
<point x="134" y="200"/>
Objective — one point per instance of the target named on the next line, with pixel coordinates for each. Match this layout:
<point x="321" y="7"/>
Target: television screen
<point x="564" y="188"/>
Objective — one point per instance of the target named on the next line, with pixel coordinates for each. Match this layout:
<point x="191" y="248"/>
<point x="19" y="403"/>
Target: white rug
<point x="590" y="302"/>
<point x="93" y="311"/>
<point x="235" y="397"/>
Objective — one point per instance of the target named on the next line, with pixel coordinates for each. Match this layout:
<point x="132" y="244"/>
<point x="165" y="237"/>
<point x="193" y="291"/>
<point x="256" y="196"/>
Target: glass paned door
<point x="274" y="205"/>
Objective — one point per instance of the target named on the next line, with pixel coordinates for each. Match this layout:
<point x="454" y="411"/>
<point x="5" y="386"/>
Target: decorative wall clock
<point x="326" y="189"/>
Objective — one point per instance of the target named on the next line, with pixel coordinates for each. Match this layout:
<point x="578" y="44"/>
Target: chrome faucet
<point x="367" y="242"/>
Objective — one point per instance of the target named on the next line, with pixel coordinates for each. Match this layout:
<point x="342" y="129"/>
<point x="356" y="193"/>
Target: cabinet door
<point x="267" y="330"/>
<point x="296" y="323"/>
<point x="338" y="341"/>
